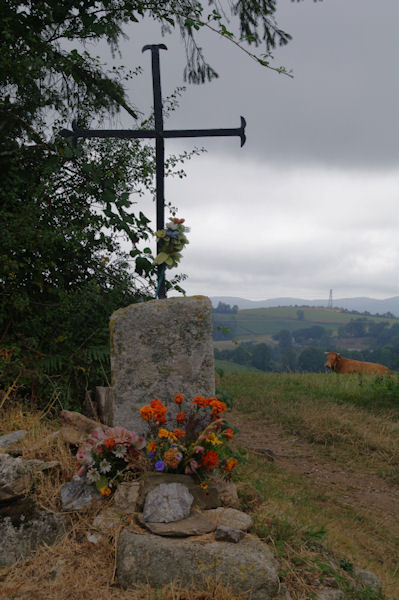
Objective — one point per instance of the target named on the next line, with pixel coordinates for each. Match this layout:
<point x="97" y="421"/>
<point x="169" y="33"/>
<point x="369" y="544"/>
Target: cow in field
<point x="339" y="364"/>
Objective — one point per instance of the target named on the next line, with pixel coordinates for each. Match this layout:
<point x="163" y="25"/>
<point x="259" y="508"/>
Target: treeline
<point x="304" y="350"/>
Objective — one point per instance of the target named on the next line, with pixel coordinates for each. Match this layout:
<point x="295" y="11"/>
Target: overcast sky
<point x="311" y="202"/>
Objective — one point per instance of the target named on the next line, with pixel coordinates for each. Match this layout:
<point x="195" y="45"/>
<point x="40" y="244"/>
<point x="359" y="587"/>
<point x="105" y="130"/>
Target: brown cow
<point x="339" y="364"/>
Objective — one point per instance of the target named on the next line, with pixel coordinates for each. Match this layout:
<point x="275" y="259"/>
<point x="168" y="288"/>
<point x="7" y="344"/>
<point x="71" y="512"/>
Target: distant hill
<point x="370" y="305"/>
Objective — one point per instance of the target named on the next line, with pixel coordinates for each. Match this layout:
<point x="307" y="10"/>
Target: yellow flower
<point x="213" y="439"/>
<point x="163" y="433"/>
<point x="204" y="485"/>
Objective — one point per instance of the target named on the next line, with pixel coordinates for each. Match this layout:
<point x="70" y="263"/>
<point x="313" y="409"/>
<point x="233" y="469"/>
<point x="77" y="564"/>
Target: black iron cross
<point x="159" y="134"/>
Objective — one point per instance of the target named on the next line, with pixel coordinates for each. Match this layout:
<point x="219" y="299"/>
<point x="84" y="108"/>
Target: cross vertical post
<point x="159" y="134"/>
<point x="159" y="153"/>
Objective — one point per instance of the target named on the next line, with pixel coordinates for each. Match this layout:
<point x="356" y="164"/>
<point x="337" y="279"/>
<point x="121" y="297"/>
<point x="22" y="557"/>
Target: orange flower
<point x="230" y="464"/>
<point x="200" y="401"/>
<point x="179" y="433"/>
<point x="217" y="406"/>
<point x="146" y="413"/>
<point x="172" y="458"/>
<point x="160" y="411"/>
<point x="158" y="406"/>
<point x="152" y="447"/>
<point x="210" y="459"/>
<point x="105" y="491"/>
<point x="163" y="433"/>
<point x="181" y="417"/>
<point x="109" y="443"/>
<point x="229" y="433"/>
<point x="179" y="398"/>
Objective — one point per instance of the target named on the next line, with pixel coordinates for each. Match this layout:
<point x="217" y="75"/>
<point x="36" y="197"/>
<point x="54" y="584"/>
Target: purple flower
<point x="151" y="455"/>
<point x="160" y="465"/>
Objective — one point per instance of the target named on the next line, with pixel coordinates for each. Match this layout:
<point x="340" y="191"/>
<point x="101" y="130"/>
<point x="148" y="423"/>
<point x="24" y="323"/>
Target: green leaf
<point x="161" y="258"/>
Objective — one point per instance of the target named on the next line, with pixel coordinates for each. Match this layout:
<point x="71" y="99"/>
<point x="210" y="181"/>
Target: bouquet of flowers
<point x="194" y="441"/>
<point x="171" y="241"/>
<point x="110" y="456"/>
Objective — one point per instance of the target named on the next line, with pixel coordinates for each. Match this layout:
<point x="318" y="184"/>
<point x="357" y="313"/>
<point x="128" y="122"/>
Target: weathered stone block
<point x="158" y="349"/>
<point x="248" y="567"/>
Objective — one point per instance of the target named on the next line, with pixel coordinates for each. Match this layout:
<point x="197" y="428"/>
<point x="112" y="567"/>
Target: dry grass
<point x="75" y="569"/>
<point x="323" y="410"/>
<point x="309" y="529"/>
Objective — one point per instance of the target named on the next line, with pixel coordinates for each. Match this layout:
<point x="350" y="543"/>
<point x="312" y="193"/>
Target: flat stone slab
<point x="248" y="567"/>
<point x="12" y="438"/>
<point x="160" y="348"/>
<point x="230" y="517"/>
<point x="195" y="524"/>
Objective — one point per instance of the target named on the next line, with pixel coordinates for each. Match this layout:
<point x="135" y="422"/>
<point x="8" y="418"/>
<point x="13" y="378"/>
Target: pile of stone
<point x="23" y="526"/>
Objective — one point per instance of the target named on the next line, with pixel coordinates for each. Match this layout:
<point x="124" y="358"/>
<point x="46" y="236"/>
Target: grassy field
<point x="260" y="323"/>
<point x="341" y="436"/>
<point x="319" y="475"/>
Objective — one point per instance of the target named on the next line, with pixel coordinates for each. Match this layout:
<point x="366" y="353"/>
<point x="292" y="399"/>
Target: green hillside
<point x="260" y="324"/>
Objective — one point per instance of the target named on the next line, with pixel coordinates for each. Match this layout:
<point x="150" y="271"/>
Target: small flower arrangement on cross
<point x="194" y="441"/>
<point x="171" y="241"/>
<point x="110" y="456"/>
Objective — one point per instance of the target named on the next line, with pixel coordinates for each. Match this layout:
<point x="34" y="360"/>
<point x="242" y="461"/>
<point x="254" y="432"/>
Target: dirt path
<point x="301" y="458"/>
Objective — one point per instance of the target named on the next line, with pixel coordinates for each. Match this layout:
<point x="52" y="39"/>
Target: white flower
<point x="119" y="451"/>
<point x="105" y="466"/>
<point x="93" y="475"/>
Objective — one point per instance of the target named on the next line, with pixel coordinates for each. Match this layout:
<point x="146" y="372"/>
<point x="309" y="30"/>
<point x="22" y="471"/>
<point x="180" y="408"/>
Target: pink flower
<point x="199" y="449"/>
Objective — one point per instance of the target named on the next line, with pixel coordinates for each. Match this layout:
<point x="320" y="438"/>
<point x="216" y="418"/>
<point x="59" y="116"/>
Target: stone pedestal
<point x="158" y="349"/>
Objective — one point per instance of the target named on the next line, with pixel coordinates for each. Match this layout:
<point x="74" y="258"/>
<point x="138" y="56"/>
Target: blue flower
<point x="160" y="465"/>
<point x="151" y="454"/>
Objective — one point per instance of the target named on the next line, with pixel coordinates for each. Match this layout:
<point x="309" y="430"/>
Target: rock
<point x="78" y="495"/>
<point x="203" y="499"/>
<point x="227" y="492"/>
<point x="16" y="475"/>
<point x="18" y="510"/>
<point x="330" y="594"/>
<point x="167" y="503"/>
<point x="12" y="438"/>
<point x="106" y="520"/>
<point x="284" y="593"/>
<point x="20" y="542"/>
<point x="368" y="579"/>
<point x="160" y="348"/>
<point x="125" y="497"/>
<point x="331" y="582"/>
<point x="195" y="524"/>
<point x="76" y="427"/>
<point x="228" y="534"/>
<point x="248" y="567"/>
<point x="230" y="517"/>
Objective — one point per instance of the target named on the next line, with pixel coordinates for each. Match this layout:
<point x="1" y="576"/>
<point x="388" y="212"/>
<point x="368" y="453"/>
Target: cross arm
<point x="180" y="133"/>
<point x="151" y="133"/>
